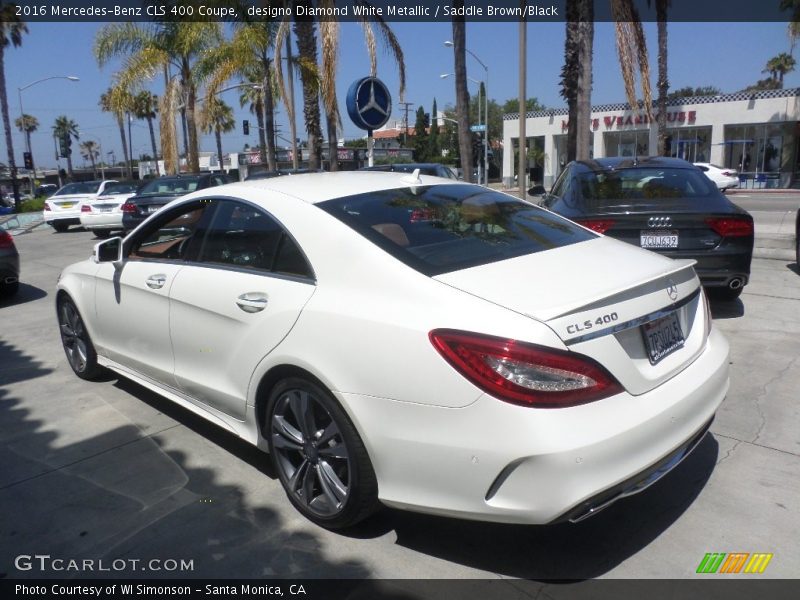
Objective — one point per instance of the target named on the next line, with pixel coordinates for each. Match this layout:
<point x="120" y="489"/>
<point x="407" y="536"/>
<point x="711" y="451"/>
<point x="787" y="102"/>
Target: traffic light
<point x="27" y="158"/>
<point x="246" y="127"/>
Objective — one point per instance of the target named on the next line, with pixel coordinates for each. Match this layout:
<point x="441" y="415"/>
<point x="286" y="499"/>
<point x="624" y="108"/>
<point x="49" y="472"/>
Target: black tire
<point x="320" y="458"/>
<point x="102" y="234"/>
<point x="60" y="227"/>
<point x="7" y="290"/>
<point x="77" y="344"/>
<point x="724" y="294"/>
<point x="797" y="249"/>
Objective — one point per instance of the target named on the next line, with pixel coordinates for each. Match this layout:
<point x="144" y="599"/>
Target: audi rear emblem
<point x="659" y="222"/>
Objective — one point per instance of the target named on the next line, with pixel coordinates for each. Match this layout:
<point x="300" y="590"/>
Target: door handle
<point x="252" y="302"/>
<point x="156" y="282"/>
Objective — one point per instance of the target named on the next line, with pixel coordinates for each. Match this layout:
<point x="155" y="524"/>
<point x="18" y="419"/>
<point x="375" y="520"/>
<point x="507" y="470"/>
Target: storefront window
<point x="692" y="144"/>
<point x="627" y="143"/>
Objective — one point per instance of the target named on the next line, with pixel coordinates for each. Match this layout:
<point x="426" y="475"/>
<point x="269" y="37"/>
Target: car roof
<point x="318" y="187"/>
<point x="627" y="162"/>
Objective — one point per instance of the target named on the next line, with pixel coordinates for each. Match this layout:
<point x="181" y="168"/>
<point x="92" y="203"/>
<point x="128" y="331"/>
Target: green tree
<point x="217" y="117"/>
<point x="420" y="143"/>
<point x="11" y="32"/>
<point x="512" y="106"/>
<point x="161" y="47"/>
<point x="64" y="126"/>
<point x="119" y="102"/>
<point x="434" y="147"/>
<point x="145" y="106"/>
<point x="689" y="91"/>
<point x="27" y="124"/>
<point x="778" y="66"/>
<point x="90" y="151"/>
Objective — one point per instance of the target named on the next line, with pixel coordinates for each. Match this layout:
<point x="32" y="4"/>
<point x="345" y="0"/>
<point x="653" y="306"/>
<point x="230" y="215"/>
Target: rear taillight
<point x="86" y="208"/>
<point x="128" y="207"/>
<point x="731" y="226"/>
<point x="6" y="241"/>
<point x="729" y="173"/>
<point x="598" y="225"/>
<point x="523" y="373"/>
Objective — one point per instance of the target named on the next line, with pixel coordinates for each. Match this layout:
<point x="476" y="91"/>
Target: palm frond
<point x="119" y="39"/>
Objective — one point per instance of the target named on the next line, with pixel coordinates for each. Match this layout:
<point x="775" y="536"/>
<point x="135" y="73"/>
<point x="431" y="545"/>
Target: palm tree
<point x="145" y="106"/>
<point x="576" y="76"/>
<point x="663" y="80"/>
<point x="152" y="48"/>
<point x="90" y="150"/>
<point x="319" y="80"/>
<point x="11" y="31"/>
<point x="248" y="55"/>
<point x="632" y="51"/>
<point x="462" y="95"/>
<point x="778" y="66"/>
<point x="254" y="97"/>
<point x="64" y="126"/>
<point x="119" y="101"/>
<point x="217" y="117"/>
<point x="27" y="124"/>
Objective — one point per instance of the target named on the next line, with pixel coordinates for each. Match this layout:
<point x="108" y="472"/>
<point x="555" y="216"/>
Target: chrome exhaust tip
<point x="10" y="280"/>
<point x="735" y="283"/>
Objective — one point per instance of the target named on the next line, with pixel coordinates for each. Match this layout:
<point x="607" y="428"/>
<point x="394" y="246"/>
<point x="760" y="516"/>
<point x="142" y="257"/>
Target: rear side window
<point x="443" y="228"/>
<point x="624" y="186"/>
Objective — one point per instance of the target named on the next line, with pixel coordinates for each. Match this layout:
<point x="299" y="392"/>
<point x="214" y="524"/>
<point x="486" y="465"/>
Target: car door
<point x="132" y="298"/>
<point x="235" y="303"/>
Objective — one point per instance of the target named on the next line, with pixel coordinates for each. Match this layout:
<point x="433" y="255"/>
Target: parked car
<point x="63" y="208"/>
<point x="103" y="215"/>
<point x="661" y="204"/>
<point x="9" y="265"/>
<point x="723" y="178"/>
<point x="278" y="173"/>
<point x="439" y="347"/>
<point x="435" y="169"/>
<point x="158" y="192"/>
<point x="46" y="190"/>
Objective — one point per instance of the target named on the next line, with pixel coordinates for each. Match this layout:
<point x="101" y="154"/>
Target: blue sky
<point x="729" y="56"/>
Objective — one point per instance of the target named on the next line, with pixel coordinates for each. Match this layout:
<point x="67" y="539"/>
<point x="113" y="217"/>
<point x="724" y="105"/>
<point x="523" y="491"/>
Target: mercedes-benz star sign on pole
<point x="369" y="105"/>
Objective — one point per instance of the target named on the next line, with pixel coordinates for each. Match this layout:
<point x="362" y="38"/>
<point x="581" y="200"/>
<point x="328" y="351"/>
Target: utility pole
<point x="406" y="107"/>
<point x="522" y="163"/>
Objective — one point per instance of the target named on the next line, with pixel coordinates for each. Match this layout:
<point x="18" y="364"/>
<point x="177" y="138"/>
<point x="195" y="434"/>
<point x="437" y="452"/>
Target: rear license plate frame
<point x="663" y="239"/>
<point x="662" y="337"/>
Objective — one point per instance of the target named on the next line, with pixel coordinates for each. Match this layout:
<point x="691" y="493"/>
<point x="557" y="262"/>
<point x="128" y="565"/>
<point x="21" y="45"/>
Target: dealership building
<point x="756" y="133"/>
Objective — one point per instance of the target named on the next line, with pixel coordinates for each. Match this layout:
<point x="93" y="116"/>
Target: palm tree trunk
<point x="7" y="130"/>
<point x="69" y="164"/>
<point x="193" y="157"/>
<point x="663" y="81"/>
<point x="122" y="136"/>
<point x="153" y="142"/>
<point x="269" y="118"/>
<point x="462" y="95"/>
<point x="570" y="74"/>
<point x="218" y="136"/>
<point x="307" y="50"/>
<point x="583" y="132"/>
<point x="262" y="137"/>
<point x="333" y="158"/>
<point x="185" y="135"/>
<point x="293" y="114"/>
<point x="94" y="167"/>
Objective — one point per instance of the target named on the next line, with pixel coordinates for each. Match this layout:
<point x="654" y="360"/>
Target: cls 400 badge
<point x="589" y="323"/>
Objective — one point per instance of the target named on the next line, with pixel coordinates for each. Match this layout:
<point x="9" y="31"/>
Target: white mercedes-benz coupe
<point x="409" y="341"/>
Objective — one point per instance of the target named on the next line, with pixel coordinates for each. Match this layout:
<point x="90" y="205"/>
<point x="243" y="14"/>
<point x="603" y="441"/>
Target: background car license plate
<point x="152" y="209"/>
<point x="658" y="239"/>
<point x="67" y="205"/>
<point x="662" y="337"/>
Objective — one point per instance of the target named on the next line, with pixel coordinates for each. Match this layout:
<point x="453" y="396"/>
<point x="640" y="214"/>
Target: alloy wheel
<point x="73" y="337"/>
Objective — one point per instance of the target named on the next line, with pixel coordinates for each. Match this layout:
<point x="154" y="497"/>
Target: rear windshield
<point x="88" y="187"/>
<point x="609" y="188"/>
<point x="183" y="185"/>
<point x="443" y="228"/>
<point x="121" y="188"/>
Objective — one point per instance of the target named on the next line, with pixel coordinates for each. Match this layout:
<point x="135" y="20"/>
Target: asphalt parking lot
<point x="110" y="470"/>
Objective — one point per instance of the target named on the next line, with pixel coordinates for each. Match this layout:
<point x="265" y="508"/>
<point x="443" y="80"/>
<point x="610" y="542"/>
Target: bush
<point x="34" y="205"/>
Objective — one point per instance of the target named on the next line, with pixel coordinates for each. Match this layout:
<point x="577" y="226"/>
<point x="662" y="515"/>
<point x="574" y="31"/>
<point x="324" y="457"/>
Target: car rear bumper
<point x="494" y="461"/>
<point x="101" y="220"/>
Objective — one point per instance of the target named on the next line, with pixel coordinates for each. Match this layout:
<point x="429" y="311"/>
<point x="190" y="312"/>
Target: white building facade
<point x="756" y="133"/>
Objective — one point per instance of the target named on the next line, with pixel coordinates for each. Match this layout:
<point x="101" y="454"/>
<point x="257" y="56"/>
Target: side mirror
<point x="537" y="190"/>
<point x="109" y="250"/>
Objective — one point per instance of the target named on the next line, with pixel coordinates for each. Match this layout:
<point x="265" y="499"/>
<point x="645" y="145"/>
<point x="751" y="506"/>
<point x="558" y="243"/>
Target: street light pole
<point x="486" y="110"/>
<point x="22" y="117"/>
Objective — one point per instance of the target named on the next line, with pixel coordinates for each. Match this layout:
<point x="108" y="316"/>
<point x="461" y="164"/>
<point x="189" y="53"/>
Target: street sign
<point x="476" y="128"/>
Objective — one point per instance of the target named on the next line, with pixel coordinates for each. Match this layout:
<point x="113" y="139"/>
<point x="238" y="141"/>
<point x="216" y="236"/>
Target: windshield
<point x="625" y="186"/>
<point x="87" y="187"/>
<point x="120" y="188"/>
<point x="179" y="185"/>
<point x="443" y="228"/>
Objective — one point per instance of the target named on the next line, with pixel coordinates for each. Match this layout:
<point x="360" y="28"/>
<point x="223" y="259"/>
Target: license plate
<point x="67" y="205"/>
<point x="662" y="337"/>
<point x="105" y="208"/>
<point x="658" y="239"/>
<point x="152" y="209"/>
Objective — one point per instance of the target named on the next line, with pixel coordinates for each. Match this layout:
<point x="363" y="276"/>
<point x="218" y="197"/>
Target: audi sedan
<point x="408" y="341"/>
<point x="662" y="204"/>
